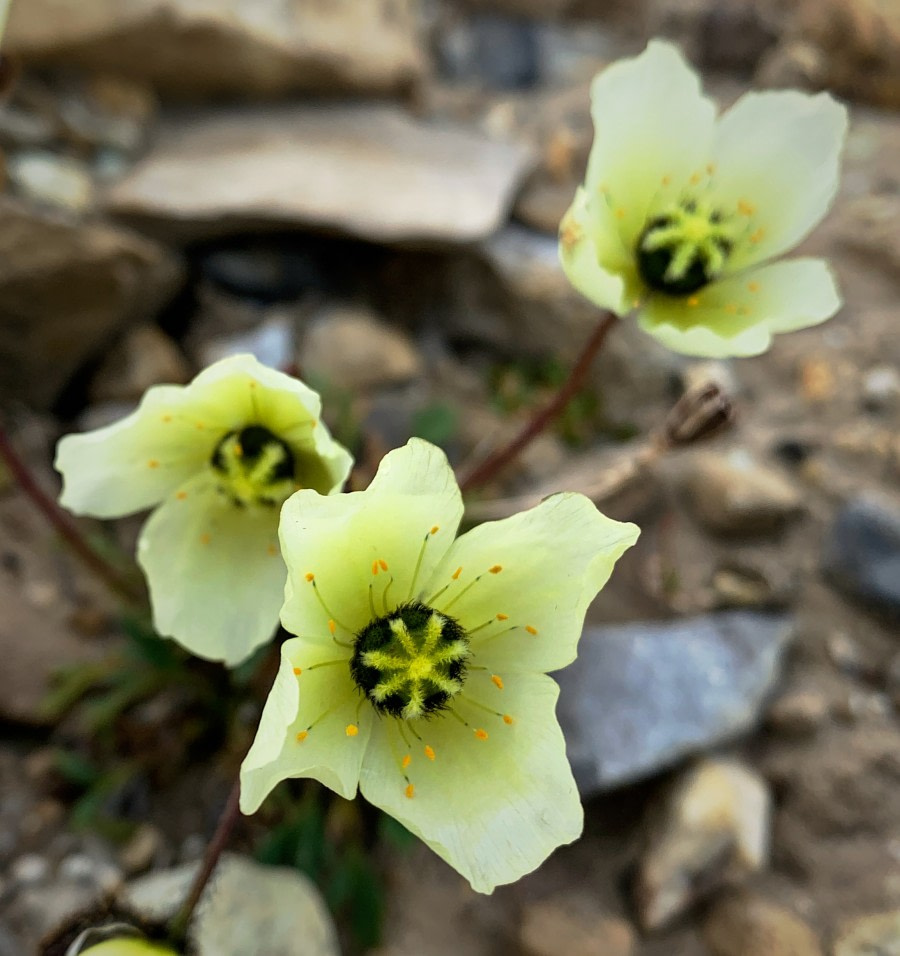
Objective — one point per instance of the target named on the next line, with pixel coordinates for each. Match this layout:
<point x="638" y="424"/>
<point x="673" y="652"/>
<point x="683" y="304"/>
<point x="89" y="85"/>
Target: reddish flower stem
<point x="63" y="524"/>
<point x="500" y="458"/>
<point x="230" y="813"/>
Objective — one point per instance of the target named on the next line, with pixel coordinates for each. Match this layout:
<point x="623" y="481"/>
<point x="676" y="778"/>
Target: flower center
<point x="685" y="248"/>
<point x="254" y="467"/>
<point x="410" y="662"/>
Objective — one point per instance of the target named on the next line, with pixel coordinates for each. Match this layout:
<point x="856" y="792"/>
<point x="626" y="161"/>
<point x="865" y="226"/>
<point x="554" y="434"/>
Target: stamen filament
<point x="331" y="615"/>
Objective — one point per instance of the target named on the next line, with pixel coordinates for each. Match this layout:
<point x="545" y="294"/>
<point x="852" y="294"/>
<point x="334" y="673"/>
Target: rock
<point x="203" y="48"/>
<point x="146" y="356"/>
<point x="47" y="178"/>
<point x="144" y="848"/>
<point x="107" y="112"/>
<point x="640" y="697"/>
<point x="352" y="348"/>
<point x="246" y="908"/>
<point x="862" y="554"/>
<point x="711" y="828"/>
<point x="263" y="271"/>
<point x="881" y="388"/>
<point x="734" y="494"/>
<point x="719" y="34"/>
<point x="852" y="48"/>
<point x="65" y="289"/>
<point x="372" y="171"/>
<point x="875" y="935"/>
<point x="272" y="342"/>
<point x="798" y="713"/>
<point x="29" y="870"/>
<point x="550" y="927"/>
<point x="744" y="924"/>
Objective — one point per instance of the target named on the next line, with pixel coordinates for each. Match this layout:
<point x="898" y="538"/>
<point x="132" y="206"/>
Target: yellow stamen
<point x="205" y="538"/>
<point x="481" y="734"/>
<point x="753" y="286"/>
<point x="530" y="629"/>
<point x="375" y="566"/>
<point x="496" y="569"/>
<point x="435" y="530"/>
<point x="757" y="236"/>
<point x="502" y="617"/>
<point x="410" y="791"/>
<point x="620" y="214"/>
<point x="456" y="573"/>
<point x="429" y="752"/>
<point x="200" y="426"/>
<point x="507" y="719"/>
<point x="298" y="671"/>
<point x="731" y="308"/>
<point x="153" y="463"/>
<point x="745" y="208"/>
<point x="351" y="730"/>
<point x="181" y="495"/>
<point x="273" y="550"/>
<point x="693" y="300"/>
<point x="309" y="576"/>
<point x="382" y="565"/>
<point x="667" y="180"/>
<point x="302" y="736"/>
<point x="332" y="627"/>
<point x="695" y="178"/>
<point x="497" y="681"/>
<point x="406" y="761"/>
<point x="167" y="418"/>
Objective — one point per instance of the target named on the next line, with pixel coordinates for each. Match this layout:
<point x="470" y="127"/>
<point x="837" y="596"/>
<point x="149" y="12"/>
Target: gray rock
<point x="862" y="554"/>
<point x="640" y="697"/>
<point x="215" y="47"/>
<point x="246" y="908"/>
<point x="65" y="289"/>
<point x="710" y="828"/>
<point x="881" y="388"/>
<point x="370" y="171"/>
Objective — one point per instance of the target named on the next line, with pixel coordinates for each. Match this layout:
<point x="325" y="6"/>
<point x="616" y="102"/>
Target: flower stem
<point x="498" y="459"/>
<point x="229" y="817"/>
<point x="63" y="524"/>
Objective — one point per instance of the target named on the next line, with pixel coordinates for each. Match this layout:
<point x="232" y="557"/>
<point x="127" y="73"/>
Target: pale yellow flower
<point x="419" y="672"/>
<point x="219" y="457"/>
<point x="681" y="214"/>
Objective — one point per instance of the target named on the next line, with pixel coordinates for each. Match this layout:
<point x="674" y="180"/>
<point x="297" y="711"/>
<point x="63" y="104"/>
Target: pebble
<point x="555" y="926"/>
<point x="140" y="852"/>
<point x="734" y="494"/>
<point x="248" y="908"/>
<point x="29" y="870"/>
<point x="744" y="924"/>
<point x="862" y="554"/>
<point x="799" y="713"/>
<point x="873" y="935"/>
<point x="46" y="177"/>
<point x="354" y="349"/>
<point x="881" y="388"/>
<point x="710" y="828"/>
<point x="144" y="357"/>
<point x="642" y="696"/>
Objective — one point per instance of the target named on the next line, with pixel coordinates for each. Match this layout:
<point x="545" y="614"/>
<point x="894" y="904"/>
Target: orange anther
<point x="481" y="734"/>
<point x="530" y="629"/>
<point x="153" y="463"/>
<point x="298" y="671"/>
<point x="382" y="564"/>
<point x="410" y="791"/>
<point x="497" y="681"/>
<point x="429" y="752"/>
<point x="302" y="736"/>
<point x="351" y="730"/>
<point x="181" y="495"/>
<point x="406" y="761"/>
<point x="502" y="617"/>
<point x="457" y="573"/>
<point x="507" y="719"/>
<point x="309" y="576"/>
<point x="496" y="569"/>
<point x="435" y="529"/>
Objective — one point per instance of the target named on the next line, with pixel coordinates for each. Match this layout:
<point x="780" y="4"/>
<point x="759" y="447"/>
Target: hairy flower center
<point x="685" y="248"/>
<point x="411" y="662"/>
<point x="254" y="467"/>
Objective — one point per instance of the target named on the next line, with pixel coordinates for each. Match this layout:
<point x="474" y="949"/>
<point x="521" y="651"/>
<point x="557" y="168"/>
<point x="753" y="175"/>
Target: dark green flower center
<point x="685" y="248"/>
<point x="411" y="662"/>
<point x="253" y="466"/>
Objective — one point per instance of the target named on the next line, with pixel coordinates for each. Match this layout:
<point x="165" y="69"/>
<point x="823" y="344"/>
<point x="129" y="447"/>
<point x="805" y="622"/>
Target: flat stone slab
<point x="369" y="171"/>
<point x="640" y="697"/>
